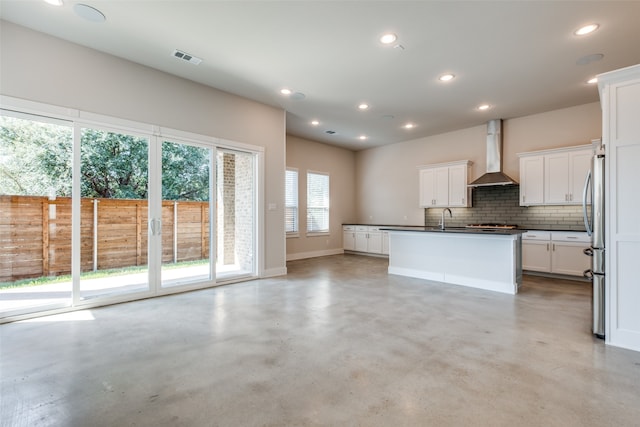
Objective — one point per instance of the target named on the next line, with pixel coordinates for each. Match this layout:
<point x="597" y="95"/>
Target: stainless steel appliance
<point x="594" y="223"/>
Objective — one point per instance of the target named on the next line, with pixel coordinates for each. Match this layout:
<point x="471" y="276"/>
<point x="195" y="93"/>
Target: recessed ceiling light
<point x="54" y="2"/>
<point x="587" y="29"/>
<point x="89" y="13"/>
<point x="592" y="81"/>
<point x="409" y="126"/>
<point x="388" y="38"/>
<point x="363" y="106"/>
<point x="484" y="107"/>
<point x="446" y="77"/>
<point x="286" y="91"/>
<point x="362" y="137"/>
<point x="315" y="122"/>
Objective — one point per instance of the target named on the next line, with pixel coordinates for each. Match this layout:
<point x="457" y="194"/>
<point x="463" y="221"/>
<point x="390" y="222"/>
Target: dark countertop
<point x="383" y="225"/>
<point x="422" y="227"/>
<point x="459" y="230"/>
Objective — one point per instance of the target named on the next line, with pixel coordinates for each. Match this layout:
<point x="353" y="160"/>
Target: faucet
<point x="442" y="219"/>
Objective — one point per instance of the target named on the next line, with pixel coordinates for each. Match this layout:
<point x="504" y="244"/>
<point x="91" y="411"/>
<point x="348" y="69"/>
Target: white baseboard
<point x="274" y="272"/>
<point x="314" y="254"/>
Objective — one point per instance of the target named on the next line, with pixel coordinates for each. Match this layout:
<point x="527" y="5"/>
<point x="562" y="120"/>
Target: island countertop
<point x="464" y="230"/>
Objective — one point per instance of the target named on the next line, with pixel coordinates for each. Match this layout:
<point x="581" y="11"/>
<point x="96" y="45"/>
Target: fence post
<point x="45" y="237"/>
<point x="175" y="232"/>
<point x="203" y="231"/>
<point x="95" y="234"/>
<point x="139" y="234"/>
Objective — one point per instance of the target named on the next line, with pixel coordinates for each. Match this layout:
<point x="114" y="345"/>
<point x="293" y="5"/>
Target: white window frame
<point x="323" y="231"/>
<point x="296" y="228"/>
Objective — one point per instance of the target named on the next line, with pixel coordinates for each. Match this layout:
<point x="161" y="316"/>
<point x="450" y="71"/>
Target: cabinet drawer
<point x="348" y="228"/>
<point x="362" y="228"/>
<point x="374" y="228"/>
<point x="536" y="235"/>
<point x="570" y="236"/>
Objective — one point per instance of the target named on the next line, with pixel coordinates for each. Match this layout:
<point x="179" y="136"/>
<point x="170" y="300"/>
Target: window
<point x="291" y="201"/>
<point x="317" y="202"/>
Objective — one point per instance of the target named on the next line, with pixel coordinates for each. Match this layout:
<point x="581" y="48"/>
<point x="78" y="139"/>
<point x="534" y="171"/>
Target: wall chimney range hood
<point x="494" y="174"/>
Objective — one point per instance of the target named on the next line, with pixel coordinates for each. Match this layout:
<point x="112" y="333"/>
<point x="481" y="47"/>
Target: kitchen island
<point x="481" y="258"/>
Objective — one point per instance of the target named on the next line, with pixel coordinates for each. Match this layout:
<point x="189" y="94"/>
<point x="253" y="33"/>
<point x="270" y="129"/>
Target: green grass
<point x="39" y="281"/>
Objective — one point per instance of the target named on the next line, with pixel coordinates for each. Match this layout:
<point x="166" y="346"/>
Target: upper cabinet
<point x="531" y="180"/>
<point x="554" y="177"/>
<point x="445" y="185"/>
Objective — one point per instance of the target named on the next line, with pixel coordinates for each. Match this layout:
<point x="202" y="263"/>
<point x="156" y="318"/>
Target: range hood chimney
<point x="494" y="174"/>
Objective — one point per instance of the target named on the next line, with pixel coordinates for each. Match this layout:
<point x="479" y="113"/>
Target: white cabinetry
<point x="557" y="252"/>
<point x="531" y="180"/>
<point x="620" y="99"/>
<point x="445" y="185"/>
<point x="554" y="177"/>
<point x="363" y="238"/>
<point x="567" y="256"/>
<point x="535" y="251"/>
<point x="349" y="237"/>
<point x="564" y="176"/>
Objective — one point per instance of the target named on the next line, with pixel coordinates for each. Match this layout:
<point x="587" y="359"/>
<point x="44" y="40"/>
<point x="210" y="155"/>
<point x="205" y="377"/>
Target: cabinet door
<point x="579" y="165"/>
<point x="458" y="190"/>
<point x="569" y="258"/>
<point x="374" y="242"/>
<point x="361" y="241"/>
<point x="531" y="180"/>
<point x="620" y="100"/>
<point x="441" y="187"/>
<point x="348" y="240"/>
<point x="535" y="255"/>
<point x="556" y="178"/>
<point x="427" y="186"/>
<point x="385" y="242"/>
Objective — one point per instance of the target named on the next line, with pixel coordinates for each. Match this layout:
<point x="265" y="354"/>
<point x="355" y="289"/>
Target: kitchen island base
<point x="484" y="260"/>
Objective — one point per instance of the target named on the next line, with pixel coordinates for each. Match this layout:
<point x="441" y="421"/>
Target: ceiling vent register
<point x="186" y="57"/>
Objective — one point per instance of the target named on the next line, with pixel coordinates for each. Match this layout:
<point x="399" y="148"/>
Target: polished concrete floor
<point x="337" y="342"/>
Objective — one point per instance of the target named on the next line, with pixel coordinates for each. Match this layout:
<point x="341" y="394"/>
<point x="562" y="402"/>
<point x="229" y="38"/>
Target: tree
<point x="185" y="172"/>
<point x="36" y="159"/>
<point x="113" y="165"/>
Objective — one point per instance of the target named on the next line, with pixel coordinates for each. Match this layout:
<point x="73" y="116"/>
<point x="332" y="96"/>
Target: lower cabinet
<point x="558" y="252"/>
<point x="365" y="238"/>
<point x="349" y="237"/>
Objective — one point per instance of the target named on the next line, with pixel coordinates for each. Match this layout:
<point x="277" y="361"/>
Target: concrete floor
<point x="337" y="342"/>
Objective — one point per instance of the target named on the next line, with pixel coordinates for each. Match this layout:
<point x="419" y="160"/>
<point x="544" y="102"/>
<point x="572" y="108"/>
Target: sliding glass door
<point x="235" y="218"/>
<point x="186" y="213"/>
<point x="96" y="214"/>
<point x="35" y="213"/>
<point x="114" y="187"/>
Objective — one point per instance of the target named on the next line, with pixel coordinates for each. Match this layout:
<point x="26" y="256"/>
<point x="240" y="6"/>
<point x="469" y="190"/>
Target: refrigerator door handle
<point x="585" y="191"/>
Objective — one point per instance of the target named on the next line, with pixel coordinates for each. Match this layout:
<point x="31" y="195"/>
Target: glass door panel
<point x="114" y="176"/>
<point x="186" y="196"/>
<point x="35" y="213"/>
<point x="235" y="216"/>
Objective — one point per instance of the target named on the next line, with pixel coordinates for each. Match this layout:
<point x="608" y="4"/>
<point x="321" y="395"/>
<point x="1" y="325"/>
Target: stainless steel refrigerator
<point x="594" y="223"/>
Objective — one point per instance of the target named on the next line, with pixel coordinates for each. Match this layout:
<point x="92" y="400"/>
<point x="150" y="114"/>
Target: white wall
<point x="339" y="163"/>
<point x="37" y="67"/>
<point x="387" y="177"/>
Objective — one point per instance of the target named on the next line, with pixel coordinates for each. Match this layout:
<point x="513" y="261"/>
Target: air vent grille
<point x="186" y="57"/>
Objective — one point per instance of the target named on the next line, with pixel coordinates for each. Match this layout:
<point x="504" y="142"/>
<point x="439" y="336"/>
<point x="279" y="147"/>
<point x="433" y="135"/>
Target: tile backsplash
<point x="500" y="205"/>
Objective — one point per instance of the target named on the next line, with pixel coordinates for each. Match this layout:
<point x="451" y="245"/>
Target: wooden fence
<point x="35" y="234"/>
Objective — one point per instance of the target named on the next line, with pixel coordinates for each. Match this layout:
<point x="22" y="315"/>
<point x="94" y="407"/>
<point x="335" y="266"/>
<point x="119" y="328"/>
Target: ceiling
<point x="520" y="57"/>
